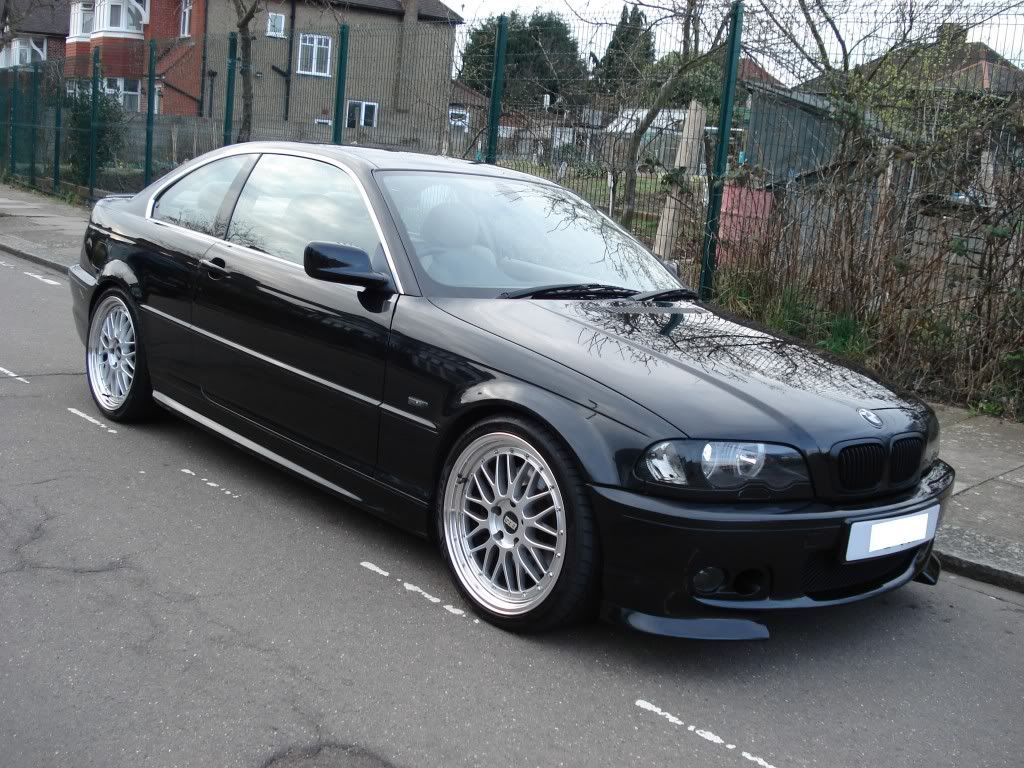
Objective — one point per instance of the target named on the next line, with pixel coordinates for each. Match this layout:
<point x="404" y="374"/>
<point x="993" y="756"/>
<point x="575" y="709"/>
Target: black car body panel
<point x="365" y="395"/>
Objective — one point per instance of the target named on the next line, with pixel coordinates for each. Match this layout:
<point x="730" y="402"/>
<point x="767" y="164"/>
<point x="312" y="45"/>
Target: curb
<point x="41" y="260"/>
<point x="989" y="574"/>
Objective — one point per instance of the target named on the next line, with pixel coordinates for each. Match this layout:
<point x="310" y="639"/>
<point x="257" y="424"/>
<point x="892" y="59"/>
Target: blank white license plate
<point x="875" y="538"/>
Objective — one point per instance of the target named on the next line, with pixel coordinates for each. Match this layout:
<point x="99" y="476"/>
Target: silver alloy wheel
<point x="504" y="523"/>
<point x="111" y="353"/>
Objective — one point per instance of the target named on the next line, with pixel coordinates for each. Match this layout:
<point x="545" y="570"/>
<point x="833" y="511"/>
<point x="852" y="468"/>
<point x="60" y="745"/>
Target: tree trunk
<point x="688" y="157"/>
<point x="245" y="68"/>
<point x="661" y="99"/>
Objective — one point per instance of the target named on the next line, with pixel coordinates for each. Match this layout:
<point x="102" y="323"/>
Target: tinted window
<point x="480" y="235"/>
<point x="288" y="202"/>
<point x="194" y="201"/>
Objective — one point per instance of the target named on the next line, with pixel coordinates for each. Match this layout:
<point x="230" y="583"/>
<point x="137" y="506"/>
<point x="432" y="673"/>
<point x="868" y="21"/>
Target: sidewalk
<point x="983" y="532"/>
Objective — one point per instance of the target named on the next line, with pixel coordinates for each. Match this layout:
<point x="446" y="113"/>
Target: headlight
<point x="718" y="466"/>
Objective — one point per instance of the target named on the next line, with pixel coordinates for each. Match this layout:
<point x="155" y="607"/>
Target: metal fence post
<point x="713" y="220"/>
<point x="339" y="91"/>
<point x="4" y="110"/>
<point x="12" y="166"/>
<point x="33" y="128"/>
<point x="229" y="103"/>
<point x="94" y="118"/>
<point x="58" y="120"/>
<point x="497" y="88"/>
<point x="150" y="111"/>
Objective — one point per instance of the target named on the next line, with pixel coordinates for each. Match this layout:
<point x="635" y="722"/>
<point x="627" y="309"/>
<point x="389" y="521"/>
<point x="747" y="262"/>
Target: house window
<point x="126" y="90"/>
<point x="134" y="18"/>
<point x="76" y="88"/>
<point x="185" y="27"/>
<point x="275" y="25"/>
<point x="458" y="117"/>
<point x="130" y="95"/>
<point x="82" y="19"/>
<point x="108" y="16"/>
<point x="23" y="50"/>
<point x="362" y="114"/>
<point x="314" y="55"/>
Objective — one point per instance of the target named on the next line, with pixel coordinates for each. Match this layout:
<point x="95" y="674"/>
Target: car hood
<point x="707" y="375"/>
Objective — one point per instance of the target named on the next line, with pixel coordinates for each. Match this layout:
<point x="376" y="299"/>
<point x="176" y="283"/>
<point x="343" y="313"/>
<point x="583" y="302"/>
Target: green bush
<point x="846" y="337"/>
<point x="110" y="132"/>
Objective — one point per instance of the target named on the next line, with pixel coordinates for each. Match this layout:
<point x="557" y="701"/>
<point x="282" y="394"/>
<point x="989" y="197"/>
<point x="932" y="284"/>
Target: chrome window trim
<point x="201" y="235"/>
<point x="252" y="445"/>
<point x="244" y="149"/>
<point x="292" y="369"/>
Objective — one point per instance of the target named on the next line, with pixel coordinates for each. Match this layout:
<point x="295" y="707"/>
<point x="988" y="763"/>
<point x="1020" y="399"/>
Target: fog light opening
<point x="708" y="579"/>
<point x="749" y="583"/>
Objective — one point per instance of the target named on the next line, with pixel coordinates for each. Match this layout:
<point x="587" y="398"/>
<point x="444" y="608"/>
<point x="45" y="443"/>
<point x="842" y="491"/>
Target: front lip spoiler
<point x="693" y="628"/>
<point x="715" y="627"/>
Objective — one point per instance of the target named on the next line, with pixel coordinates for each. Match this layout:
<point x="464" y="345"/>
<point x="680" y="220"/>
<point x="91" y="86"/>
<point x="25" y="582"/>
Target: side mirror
<point x="346" y="264"/>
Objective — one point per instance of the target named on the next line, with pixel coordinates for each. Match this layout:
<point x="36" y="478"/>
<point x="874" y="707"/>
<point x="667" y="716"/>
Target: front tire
<point x="515" y="526"/>
<point x="115" y="361"/>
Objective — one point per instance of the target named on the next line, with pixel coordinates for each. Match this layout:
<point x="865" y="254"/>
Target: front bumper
<point x="83" y="285"/>
<point x="773" y="557"/>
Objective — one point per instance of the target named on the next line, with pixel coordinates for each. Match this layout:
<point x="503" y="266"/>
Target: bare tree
<point x="900" y="241"/>
<point x="245" y="12"/>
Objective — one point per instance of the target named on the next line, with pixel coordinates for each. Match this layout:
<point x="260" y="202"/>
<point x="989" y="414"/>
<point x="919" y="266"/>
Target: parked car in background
<point x="482" y="357"/>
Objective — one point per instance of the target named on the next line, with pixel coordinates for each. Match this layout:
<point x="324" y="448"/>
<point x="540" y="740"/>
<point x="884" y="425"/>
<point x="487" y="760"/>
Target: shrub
<point x="110" y="132"/>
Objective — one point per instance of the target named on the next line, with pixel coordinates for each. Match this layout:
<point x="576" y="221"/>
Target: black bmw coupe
<point x="482" y="357"/>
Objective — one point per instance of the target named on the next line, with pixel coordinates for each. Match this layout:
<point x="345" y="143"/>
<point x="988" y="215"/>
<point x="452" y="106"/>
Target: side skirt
<point x="251" y="445"/>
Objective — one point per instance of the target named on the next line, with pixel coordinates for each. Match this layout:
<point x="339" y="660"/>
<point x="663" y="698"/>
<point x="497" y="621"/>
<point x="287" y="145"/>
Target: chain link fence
<point x="871" y="204"/>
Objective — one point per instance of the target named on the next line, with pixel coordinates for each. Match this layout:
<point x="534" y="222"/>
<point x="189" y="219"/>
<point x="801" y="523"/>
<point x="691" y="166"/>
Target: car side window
<point x="288" y="202"/>
<point x="194" y="201"/>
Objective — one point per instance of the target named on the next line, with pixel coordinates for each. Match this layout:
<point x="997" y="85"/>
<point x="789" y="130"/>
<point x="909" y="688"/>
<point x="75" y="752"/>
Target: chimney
<point x="406" y="69"/>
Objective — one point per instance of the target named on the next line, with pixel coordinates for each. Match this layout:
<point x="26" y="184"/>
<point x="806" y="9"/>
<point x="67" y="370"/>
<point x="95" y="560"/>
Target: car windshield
<point x="477" y="235"/>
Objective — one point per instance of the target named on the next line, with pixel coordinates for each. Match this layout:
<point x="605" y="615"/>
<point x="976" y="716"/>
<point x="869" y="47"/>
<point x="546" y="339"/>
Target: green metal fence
<point x="854" y="178"/>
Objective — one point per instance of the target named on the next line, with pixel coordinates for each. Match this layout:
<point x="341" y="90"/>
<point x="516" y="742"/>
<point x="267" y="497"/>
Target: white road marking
<point x="13" y="375"/>
<point x="42" y="279"/>
<point x="704" y="734"/>
<point x="91" y="420"/>
<point x="414" y="588"/>
<point x="5" y="264"/>
<point x="210" y="483"/>
<point x="376" y="569"/>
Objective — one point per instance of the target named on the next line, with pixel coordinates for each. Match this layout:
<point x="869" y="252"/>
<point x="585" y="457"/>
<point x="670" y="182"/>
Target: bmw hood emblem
<point x="870" y="417"/>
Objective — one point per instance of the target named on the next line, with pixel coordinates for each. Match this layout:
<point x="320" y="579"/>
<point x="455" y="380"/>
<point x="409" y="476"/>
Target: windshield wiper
<point x="570" y="291"/>
<point x="666" y="294"/>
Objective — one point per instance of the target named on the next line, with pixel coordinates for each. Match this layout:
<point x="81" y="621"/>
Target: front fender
<point x="606" y="449"/>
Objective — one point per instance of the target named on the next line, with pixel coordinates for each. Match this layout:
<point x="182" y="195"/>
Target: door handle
<point x="216" y="267"/>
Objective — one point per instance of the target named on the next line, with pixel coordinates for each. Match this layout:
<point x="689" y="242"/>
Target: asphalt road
<point x="166" y="600"/>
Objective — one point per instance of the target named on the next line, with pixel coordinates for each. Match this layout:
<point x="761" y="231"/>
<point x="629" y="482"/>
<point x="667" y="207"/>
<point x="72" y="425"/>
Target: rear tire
<point x="515" y="526"/>
<point x="115" y="359"/>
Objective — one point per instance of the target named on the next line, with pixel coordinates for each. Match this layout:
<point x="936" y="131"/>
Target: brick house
<point x="399" y="63"/>
<point x="32" y="31"/>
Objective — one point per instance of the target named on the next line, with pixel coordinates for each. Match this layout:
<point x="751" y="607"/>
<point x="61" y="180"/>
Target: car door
<point x="300" y="357"/>
<point x="184" y="220"/>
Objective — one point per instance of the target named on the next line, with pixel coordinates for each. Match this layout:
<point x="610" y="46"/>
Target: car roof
<point x="370" y="158"/>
